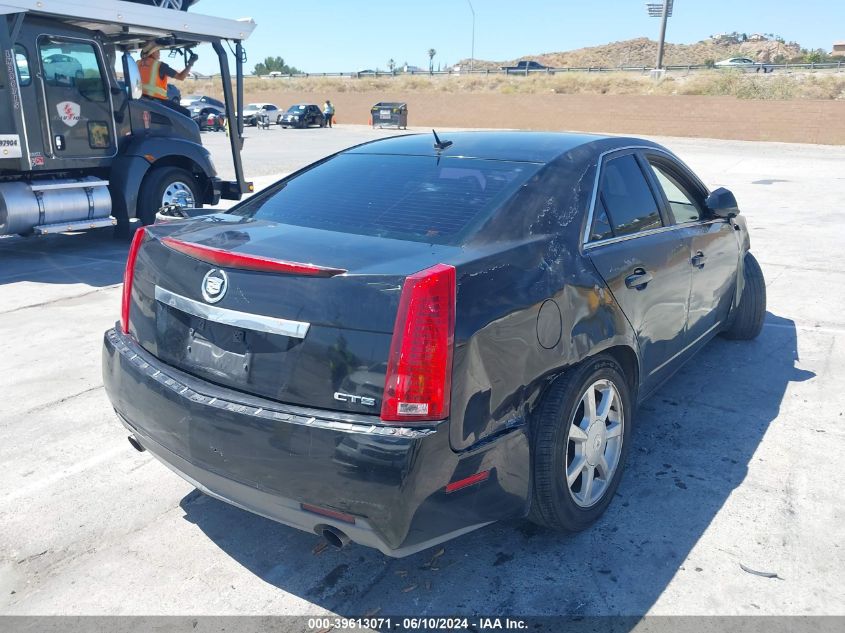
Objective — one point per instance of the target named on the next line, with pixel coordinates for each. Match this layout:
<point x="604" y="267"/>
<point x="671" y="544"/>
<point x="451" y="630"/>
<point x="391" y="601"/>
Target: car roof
<point x="535" y="147"/>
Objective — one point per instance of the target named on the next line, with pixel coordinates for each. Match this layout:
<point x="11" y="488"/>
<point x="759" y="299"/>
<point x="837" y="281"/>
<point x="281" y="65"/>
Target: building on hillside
<point x="757" y="37"/>
<point x="726" y="38"/>
<point x="838" y="49"/>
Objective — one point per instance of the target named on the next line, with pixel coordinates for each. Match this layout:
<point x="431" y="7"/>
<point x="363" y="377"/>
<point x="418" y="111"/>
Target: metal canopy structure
<point x="117" y="18"/>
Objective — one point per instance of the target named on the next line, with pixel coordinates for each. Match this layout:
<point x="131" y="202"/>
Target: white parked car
<point x="253" y="111"/>
<point x="737" y="62"/>
<point x="744" y="63"/>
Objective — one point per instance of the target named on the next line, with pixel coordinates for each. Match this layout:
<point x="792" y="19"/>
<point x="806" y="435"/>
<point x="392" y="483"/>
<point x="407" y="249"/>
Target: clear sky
<point x="349" y="35"/>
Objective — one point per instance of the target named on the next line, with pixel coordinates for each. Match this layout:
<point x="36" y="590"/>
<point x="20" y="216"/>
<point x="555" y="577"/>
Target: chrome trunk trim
<point x="244" y="320"/>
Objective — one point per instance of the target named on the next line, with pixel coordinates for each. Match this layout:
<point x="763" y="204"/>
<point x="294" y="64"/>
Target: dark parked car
<point x="210" y="121"/>
<point x="174" y="94"/>
<point x="405" y="342"/>
<point x="302" y="115"/>
<point x="207" y="112"/>
<point x="525" y="65"/>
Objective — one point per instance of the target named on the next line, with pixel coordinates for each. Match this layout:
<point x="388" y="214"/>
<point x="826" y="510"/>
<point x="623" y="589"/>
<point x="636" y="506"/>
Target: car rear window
<point x="417" y="198"/>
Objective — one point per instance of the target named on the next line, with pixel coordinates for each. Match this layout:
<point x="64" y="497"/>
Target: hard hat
<point x="149" y="48"/>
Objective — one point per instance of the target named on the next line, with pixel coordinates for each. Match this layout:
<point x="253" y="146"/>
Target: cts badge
<point x="346" y="397"/>
<point x="214" y="285"/>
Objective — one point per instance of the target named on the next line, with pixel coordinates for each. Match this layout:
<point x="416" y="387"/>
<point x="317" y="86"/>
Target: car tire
<point x="166" y="183"/>
<point x="568" y="465"/>
<point x="747" y="318"/>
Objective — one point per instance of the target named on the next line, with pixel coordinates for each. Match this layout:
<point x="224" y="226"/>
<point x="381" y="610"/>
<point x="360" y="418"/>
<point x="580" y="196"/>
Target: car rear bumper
<point x="271" y="458"/>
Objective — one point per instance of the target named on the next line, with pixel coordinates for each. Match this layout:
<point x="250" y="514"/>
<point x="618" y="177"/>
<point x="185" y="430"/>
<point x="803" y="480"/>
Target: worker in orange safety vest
<point x="155" y="73"/>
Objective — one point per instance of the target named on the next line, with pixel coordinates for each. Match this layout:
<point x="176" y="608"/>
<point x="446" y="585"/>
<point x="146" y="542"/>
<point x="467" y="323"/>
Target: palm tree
<point x="431" y="54"/>
<point x="391" y="64"/>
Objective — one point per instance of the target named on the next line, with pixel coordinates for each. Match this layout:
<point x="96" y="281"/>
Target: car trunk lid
<point x="299" y="315"/>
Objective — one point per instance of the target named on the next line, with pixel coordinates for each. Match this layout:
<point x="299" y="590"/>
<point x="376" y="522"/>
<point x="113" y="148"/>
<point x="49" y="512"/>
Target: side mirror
<point x="132" y="76"/>
<point x="722" y="203"/>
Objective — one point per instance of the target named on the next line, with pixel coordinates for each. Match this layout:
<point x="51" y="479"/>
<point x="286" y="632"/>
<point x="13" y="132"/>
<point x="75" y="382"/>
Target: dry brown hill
<point x="643" y="52"/>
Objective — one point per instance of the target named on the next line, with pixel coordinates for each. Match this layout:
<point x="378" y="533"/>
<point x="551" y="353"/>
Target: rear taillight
<point x="419" y="368"/>
<point x="128" y="275"/>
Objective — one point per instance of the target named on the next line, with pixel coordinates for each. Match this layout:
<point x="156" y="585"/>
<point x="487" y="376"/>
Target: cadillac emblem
<point x="214" y="285"/>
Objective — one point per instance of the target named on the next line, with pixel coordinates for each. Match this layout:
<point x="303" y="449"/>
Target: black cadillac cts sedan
<point x="413" y="338"/>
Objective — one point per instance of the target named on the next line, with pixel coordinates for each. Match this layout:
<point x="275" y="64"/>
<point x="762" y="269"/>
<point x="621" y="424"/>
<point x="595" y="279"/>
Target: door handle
<point x="639" y="279"/>
<point x="698" y="260"/>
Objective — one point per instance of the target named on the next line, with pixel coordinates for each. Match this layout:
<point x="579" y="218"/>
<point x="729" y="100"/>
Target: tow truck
<point x="81" y="148"/>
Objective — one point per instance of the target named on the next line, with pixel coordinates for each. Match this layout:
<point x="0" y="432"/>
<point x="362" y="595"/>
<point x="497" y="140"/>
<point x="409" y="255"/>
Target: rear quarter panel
<point x="525" y="280"/>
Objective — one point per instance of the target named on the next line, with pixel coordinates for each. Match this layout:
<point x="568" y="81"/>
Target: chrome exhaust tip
<point x="335" y="537"/>
<point x="136" y="444"/>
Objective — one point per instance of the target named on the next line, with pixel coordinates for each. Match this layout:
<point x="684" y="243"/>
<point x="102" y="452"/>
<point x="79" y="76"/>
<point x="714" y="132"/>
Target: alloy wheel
<point x="594" y="443"/>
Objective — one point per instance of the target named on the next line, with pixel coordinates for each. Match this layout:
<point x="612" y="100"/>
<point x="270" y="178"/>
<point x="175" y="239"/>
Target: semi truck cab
<point x="79" y="146"/>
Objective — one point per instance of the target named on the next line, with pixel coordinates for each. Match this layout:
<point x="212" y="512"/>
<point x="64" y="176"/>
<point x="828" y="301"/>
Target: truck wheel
<point x="163" y="186"/>
<point x="580" y="441"/>
<point x="748" y="316"/>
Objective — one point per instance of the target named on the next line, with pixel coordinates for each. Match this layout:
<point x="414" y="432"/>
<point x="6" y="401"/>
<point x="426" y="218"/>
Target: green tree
<point x="431" y="54"/>
<point x="814" y="57"/>
<point x="274" y="64"/>
<point x="391" y="64"/>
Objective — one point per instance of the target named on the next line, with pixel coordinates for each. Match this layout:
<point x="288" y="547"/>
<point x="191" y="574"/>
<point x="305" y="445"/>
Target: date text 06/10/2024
<point x="420" y="624"/>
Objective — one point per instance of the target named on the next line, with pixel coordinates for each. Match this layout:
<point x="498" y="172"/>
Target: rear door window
<point x="417" y="198"/>
<point x="601" y="223"/>
<point x="626" y="197"/>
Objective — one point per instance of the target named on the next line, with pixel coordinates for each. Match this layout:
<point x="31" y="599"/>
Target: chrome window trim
<point x="662" y="229"/>
<point x="244" y="320"/>
<point x="586" y="243"/>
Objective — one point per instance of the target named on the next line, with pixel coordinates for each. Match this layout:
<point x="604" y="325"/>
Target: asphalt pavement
<point x="739" y="460"/>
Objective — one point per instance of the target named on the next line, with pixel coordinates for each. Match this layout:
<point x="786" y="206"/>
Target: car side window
<point x="681" y="201"/>
<point x="625" y="198"/>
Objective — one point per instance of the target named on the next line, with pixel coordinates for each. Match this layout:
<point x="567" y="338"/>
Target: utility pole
<point x="662" y="10"/>
<point x="472" y="53"/>
<point x="663" y="21"/>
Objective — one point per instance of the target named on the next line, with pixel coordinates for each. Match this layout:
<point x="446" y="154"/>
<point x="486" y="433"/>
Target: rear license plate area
<point x="204" y="347"/>
<point x="218" y="349"/>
